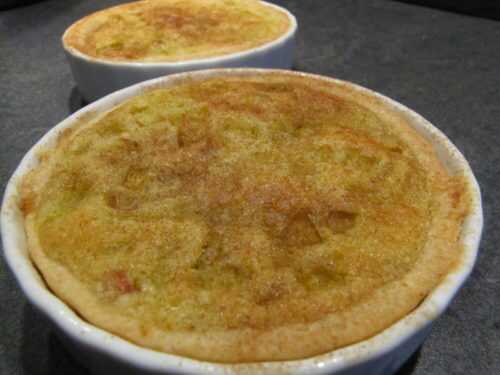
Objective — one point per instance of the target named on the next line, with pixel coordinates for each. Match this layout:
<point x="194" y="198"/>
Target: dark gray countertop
<point x="444" y="66"/>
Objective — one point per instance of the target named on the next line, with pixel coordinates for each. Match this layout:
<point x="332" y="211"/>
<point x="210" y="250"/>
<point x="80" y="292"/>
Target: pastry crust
<point x="284" y="337"/>
<point x="176" y="30"/>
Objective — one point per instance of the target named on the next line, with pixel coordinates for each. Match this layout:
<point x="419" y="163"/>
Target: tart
<point x="243" y="218"/>
<point x="176" y="30"/>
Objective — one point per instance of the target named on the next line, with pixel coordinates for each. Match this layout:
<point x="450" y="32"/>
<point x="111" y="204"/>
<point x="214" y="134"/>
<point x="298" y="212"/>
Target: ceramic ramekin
<point x="98" y="77"/>
<point x="102" y="351"/>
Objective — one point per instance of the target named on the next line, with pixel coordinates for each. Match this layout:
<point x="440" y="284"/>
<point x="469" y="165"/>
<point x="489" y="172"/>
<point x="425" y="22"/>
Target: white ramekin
<point x="104" y="352"/>
<point x="98" y="77"/>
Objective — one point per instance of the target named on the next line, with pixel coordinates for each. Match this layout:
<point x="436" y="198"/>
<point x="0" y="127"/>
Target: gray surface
<point x="445" y="66"/>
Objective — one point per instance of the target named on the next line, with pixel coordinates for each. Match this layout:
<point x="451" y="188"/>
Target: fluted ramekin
<point x="96" y="77"/>
<point x="102" y="351"/>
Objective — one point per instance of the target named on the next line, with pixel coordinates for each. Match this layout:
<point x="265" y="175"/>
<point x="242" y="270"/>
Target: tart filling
<point x="244" y="218"/>
<point x="176" y="30"/>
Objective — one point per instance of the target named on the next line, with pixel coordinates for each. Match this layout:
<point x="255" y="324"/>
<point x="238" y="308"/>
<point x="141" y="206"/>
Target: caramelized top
<point x="234" y="202"/>
<point x="173" y="30"/>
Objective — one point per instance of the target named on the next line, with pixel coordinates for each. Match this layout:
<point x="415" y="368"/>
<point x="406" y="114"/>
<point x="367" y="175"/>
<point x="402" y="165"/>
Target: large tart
<point x="243" y="218"/>
<point x="176" y="30"/>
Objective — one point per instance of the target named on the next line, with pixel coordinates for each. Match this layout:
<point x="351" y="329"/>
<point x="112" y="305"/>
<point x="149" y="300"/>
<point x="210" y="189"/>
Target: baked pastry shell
<point x="102" y="351"/>
<point x="96" y="77"/>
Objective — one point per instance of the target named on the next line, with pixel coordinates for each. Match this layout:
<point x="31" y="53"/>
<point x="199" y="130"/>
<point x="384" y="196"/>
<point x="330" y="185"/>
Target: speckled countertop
<point x="444" y="66"/>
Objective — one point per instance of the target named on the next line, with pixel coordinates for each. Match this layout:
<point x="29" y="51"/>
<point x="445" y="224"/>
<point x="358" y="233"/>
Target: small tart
<point x="244" y="218"/>
<point x="176" y="30"/>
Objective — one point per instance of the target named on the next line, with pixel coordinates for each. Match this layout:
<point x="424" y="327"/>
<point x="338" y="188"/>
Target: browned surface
<point x="173" y="30"/>
<point x="245" y="206"/>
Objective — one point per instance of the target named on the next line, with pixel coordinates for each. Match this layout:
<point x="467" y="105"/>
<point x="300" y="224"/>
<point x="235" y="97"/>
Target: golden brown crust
<point x="173" y="30"/>
<point x="321" y="330"/>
